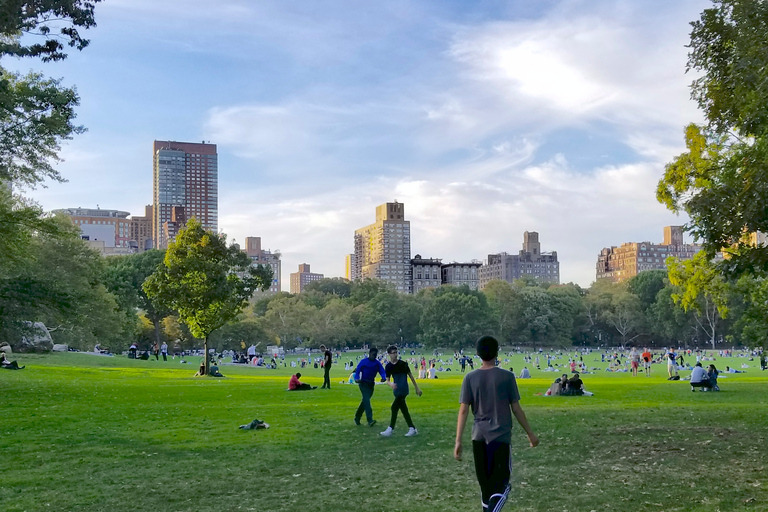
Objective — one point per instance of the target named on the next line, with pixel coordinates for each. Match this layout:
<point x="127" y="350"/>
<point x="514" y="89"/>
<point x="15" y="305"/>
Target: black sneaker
<point x="371" y="423"/>
<point x="357" y="421"/>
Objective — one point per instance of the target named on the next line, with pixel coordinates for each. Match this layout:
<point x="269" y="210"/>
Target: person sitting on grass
<point x="296" y="385"/>
<point x="575" y="386"/>
<point x="9" y="365"/>
<point x="525" y="374"/>
<point x="213" y="371"/>
<point x="712" y="374"/>
<point x="699" y="378"/>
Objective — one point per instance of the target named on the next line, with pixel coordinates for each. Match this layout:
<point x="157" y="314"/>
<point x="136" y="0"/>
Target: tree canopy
<point x="720" y="181"/>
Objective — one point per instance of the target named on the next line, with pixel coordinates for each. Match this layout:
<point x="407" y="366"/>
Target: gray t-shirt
<point x="490" y="393"/>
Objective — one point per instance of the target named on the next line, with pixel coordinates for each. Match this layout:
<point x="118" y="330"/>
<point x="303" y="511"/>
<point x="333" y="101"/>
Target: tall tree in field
<point x="720" y="181"/>
<point x="454" y="320"/>
<point x="702" y="290"/>
<point x="207" y="282"/>
<point x="125" y="277"/>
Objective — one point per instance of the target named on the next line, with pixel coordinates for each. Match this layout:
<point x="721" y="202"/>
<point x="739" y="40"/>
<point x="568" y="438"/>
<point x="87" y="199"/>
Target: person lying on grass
<point x="296" y="385"/>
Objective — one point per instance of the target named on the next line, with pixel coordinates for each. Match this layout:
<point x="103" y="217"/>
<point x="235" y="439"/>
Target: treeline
<point x="86" y="299"/>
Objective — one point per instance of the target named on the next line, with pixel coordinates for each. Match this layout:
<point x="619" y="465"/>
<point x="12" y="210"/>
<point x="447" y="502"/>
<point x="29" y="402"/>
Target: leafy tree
<point x="205" y="281"/>
<point x="125" y="276"/>
<point x="39" y="18"/>
<point x="331" y="286"/>
<point x="625" y="314"/>
<point x="61" y="285"/>
<point x="287" y="317"/>
<point x="720" y="181"/>
<point x="541" y="318"/>
<point x="379" y="318"/>
<point x="505" y="304"/>
<point x="702" y="290"/>
<point x="363" y="291"/>
<point x="753" y="322"/>
<point x="669" y="321"/>
<point x="572" y="322"/>
<point x="646" y="286"/>
<point x="331" y="325"/>
<point x="454" y="320"/>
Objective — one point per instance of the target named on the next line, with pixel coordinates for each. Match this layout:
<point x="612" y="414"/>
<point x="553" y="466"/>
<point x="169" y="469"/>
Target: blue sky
<point x="486" y="118"/>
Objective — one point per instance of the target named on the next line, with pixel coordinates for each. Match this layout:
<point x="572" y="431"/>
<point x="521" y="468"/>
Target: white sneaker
<point x="387" y="432"/>
<point x="411" y="432"/>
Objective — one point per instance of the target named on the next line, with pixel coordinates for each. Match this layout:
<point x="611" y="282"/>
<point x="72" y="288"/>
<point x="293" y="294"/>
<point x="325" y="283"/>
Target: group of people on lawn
<point x="704" y="379"/>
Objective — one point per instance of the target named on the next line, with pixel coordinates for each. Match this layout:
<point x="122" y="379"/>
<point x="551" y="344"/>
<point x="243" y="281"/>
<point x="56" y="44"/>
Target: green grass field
<point x="87" y="433"/>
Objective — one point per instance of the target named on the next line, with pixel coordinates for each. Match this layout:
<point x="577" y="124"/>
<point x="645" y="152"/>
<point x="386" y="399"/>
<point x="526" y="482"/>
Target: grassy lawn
<point x="87" y="433"/>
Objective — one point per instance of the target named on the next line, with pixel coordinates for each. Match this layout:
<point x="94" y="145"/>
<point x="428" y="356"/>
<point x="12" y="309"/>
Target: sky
<point x="485" y="118"/>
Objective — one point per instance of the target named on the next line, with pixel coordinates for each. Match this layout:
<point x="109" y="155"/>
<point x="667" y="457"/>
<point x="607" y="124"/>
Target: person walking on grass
<point x="164" y="351"/>
<point x="327" y="362"/>
<point x="647" y="358"/>
<point x="492" y="394"/>
<point x="365" y="377"/>
<point x="398" y="372"/>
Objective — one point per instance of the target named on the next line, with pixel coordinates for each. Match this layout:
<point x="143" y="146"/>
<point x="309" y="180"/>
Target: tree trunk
<point x="205" y="356"/>
<point x="156" y="323"/>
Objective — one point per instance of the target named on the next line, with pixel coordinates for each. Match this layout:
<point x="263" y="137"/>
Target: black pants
<point x="493" y="465"/>
<point x="400" y="405"/>
<point x="327" y="376"/>
<point x="302" y="387"/>
<point x="165" y="356"/>
<point x="366" y="389"/>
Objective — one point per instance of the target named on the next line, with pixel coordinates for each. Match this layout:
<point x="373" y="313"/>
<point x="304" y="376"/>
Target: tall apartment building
<point x="302" y="278"/>
<point x="185" y="176"/>
<point x="530" y="261"/>
<point x="459" y="274"/>
<point x="621" y="263"/>
<point x="426" y="273"/>
<point x="109" y="226"/>
<point x="350" y="267"/>
<point x="141" y="231"/>
<point x="383" y="249"/>
<point x="260" y="256"/>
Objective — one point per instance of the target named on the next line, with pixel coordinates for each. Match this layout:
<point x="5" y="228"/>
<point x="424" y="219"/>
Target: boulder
<point x="36" y="339"/>
<point x="60" y="348"/>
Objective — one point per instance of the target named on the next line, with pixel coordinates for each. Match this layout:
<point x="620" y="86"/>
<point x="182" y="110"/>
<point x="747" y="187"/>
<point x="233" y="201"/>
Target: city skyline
<point x="488" y="119"/>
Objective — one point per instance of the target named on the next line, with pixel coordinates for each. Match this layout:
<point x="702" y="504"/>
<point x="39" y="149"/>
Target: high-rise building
<point x="260" y="256"/>
<point x="383" y="249"/>
<point x="141" y="230"/>
<point x="185" y="176"/>
<point x="621" y="263"/>
<point x="531" y="262"/>
<point x="109" y="226"/>
<point x="426" y="273"/>
<point x="302" y="278"/>
<point x="459" y="274"/>
<point x="350" y="269"/>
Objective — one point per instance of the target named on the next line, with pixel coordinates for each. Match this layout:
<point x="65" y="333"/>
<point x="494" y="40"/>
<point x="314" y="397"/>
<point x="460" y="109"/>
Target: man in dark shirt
<point x="576" y="385"/>
<point x="398" y="373"/>
<point x="365" y="375"/>
<point x="327" y="362"/>
<point x="492" y="394"/>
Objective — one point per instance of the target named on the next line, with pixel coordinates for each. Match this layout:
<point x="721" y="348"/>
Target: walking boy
<point x="492" y="394"/>
<point x="365" y="375"/>
<point x="398" y="371"/>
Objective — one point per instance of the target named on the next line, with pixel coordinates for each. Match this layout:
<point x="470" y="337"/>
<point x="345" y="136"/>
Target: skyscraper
<point x="302" y="278"/>
<point x="383" y="249"/>
<point x="185" y="177"/>
<point x="260" y="256"/>
<point x="626" y="261"/>
<point x="531" y="262"/>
